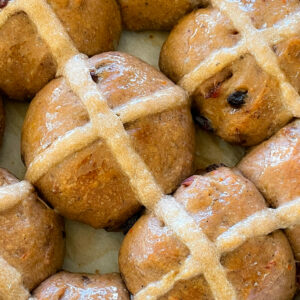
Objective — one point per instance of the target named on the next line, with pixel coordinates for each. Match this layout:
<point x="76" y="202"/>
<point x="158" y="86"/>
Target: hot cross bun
<point x="88" y="185"/>
<point x="26" y="62"/>
<point x="274" y="167"/>
<point x="263" y="267"/>
<point x="155" y="14"/>
<point x="31" y="238"/>
<point x="240" y="91"/>
<point x="65" y="286"/>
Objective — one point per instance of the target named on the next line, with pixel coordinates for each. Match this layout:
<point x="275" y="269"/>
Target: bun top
<point x="31" y="239"/>
<point x="235" y="47"/>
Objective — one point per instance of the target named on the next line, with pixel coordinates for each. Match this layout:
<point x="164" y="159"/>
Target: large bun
<point x="261" y="268"/>
<point x="88" y="185"/>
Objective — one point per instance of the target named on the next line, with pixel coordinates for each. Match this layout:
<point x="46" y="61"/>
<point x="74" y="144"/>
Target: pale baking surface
<point x="90" y="250"/>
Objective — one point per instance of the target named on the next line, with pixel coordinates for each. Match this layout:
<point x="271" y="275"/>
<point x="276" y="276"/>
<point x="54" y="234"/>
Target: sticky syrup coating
<point x="204" y="31"/>
<point x="31" y="237"/>
<point x="89" y="186"/>
<point x="26" y="61"/>
<point x="154" y="14"/>
<point x="65" y="285"/>
<point x="274" y="167"/>
<point x="262" y="267"/>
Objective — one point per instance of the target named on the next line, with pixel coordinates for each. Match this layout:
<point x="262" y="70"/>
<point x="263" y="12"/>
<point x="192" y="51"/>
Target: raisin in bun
<point x="26" y="62"/>
<point x="88" y="185"/>
<point x="31" y="236"/>
<point x="274" y="167"/>
<point x="65" y="286"/>
<point x="154" y="14"/>
<point x="241" y="102"/>
<point x="261" y="268"/>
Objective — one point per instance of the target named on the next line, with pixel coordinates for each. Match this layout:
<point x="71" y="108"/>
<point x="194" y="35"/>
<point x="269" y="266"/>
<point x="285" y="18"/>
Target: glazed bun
<point x="154" y="14"/>
<point x="65" y="286"/>
<point x="26" y="62"/>
<point x="31" y="234"/>
<point x="274" y="167"/>
<point x="261" y="268"/>
<point x="241" y="103"/>
<point x="88" y="185"/>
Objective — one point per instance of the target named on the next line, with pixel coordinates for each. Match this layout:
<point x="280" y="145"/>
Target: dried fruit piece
<point x="237" y="99"/>
<point x="187" y="182"/>
<point x="93" y="75"/>
<point x="3" y="3"/>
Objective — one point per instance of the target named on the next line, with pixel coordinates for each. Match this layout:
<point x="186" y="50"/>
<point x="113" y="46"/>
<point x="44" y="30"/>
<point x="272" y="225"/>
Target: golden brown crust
<point x="194" y="39"/>
<point x="88" y="185"/>
<point x="31" y="238"/>
<point x="18" y="55"/>
<point x="93" y="25"/>
<point x="65" y="285"/>
<point x="259" y="117"/>
<point x="143" y="260"/>
<point x="254" y="276"/>
<point x="288" y="57"/>
<point x="274" y="167"/>
<point x="216" y="201"/>
<point x="201" y="33"/>
<point x="266" y="13"/>
<point x="154" y="14"/>
<point x="26" y="62"/>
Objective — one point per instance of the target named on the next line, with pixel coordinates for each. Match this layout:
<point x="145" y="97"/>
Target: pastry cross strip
<point x="107" y="124"/>
<point x="11" y="195"/>
<point x="257" y="42"/>
<point x="11" y="283"/>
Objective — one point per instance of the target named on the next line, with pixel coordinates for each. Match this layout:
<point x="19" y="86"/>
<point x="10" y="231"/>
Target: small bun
<point x="274" y="167"/>
<point x="27" y="63"/>
<point x="31" y="234"/>
<point x="140" y="15"/>
<point x="65" y="285"/>
<point x="242" y="101"/>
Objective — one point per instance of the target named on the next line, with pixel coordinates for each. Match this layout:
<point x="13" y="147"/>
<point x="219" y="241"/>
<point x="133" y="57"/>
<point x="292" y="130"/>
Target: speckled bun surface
<point x="111" y="135"/>
<point x="274" y="167"/>
<point x="65" y="286"/>
<point x="155" y="14"/>
<point x="262" y="267"/>
<point x="88" y="186"/>
<point x="32" y="234"/>
<point x="26" y="61"/>
<point x="241" y="101"/>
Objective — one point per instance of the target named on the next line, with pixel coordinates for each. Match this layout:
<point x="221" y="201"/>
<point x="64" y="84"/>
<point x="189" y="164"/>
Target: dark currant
<point x="237" y="99"/>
